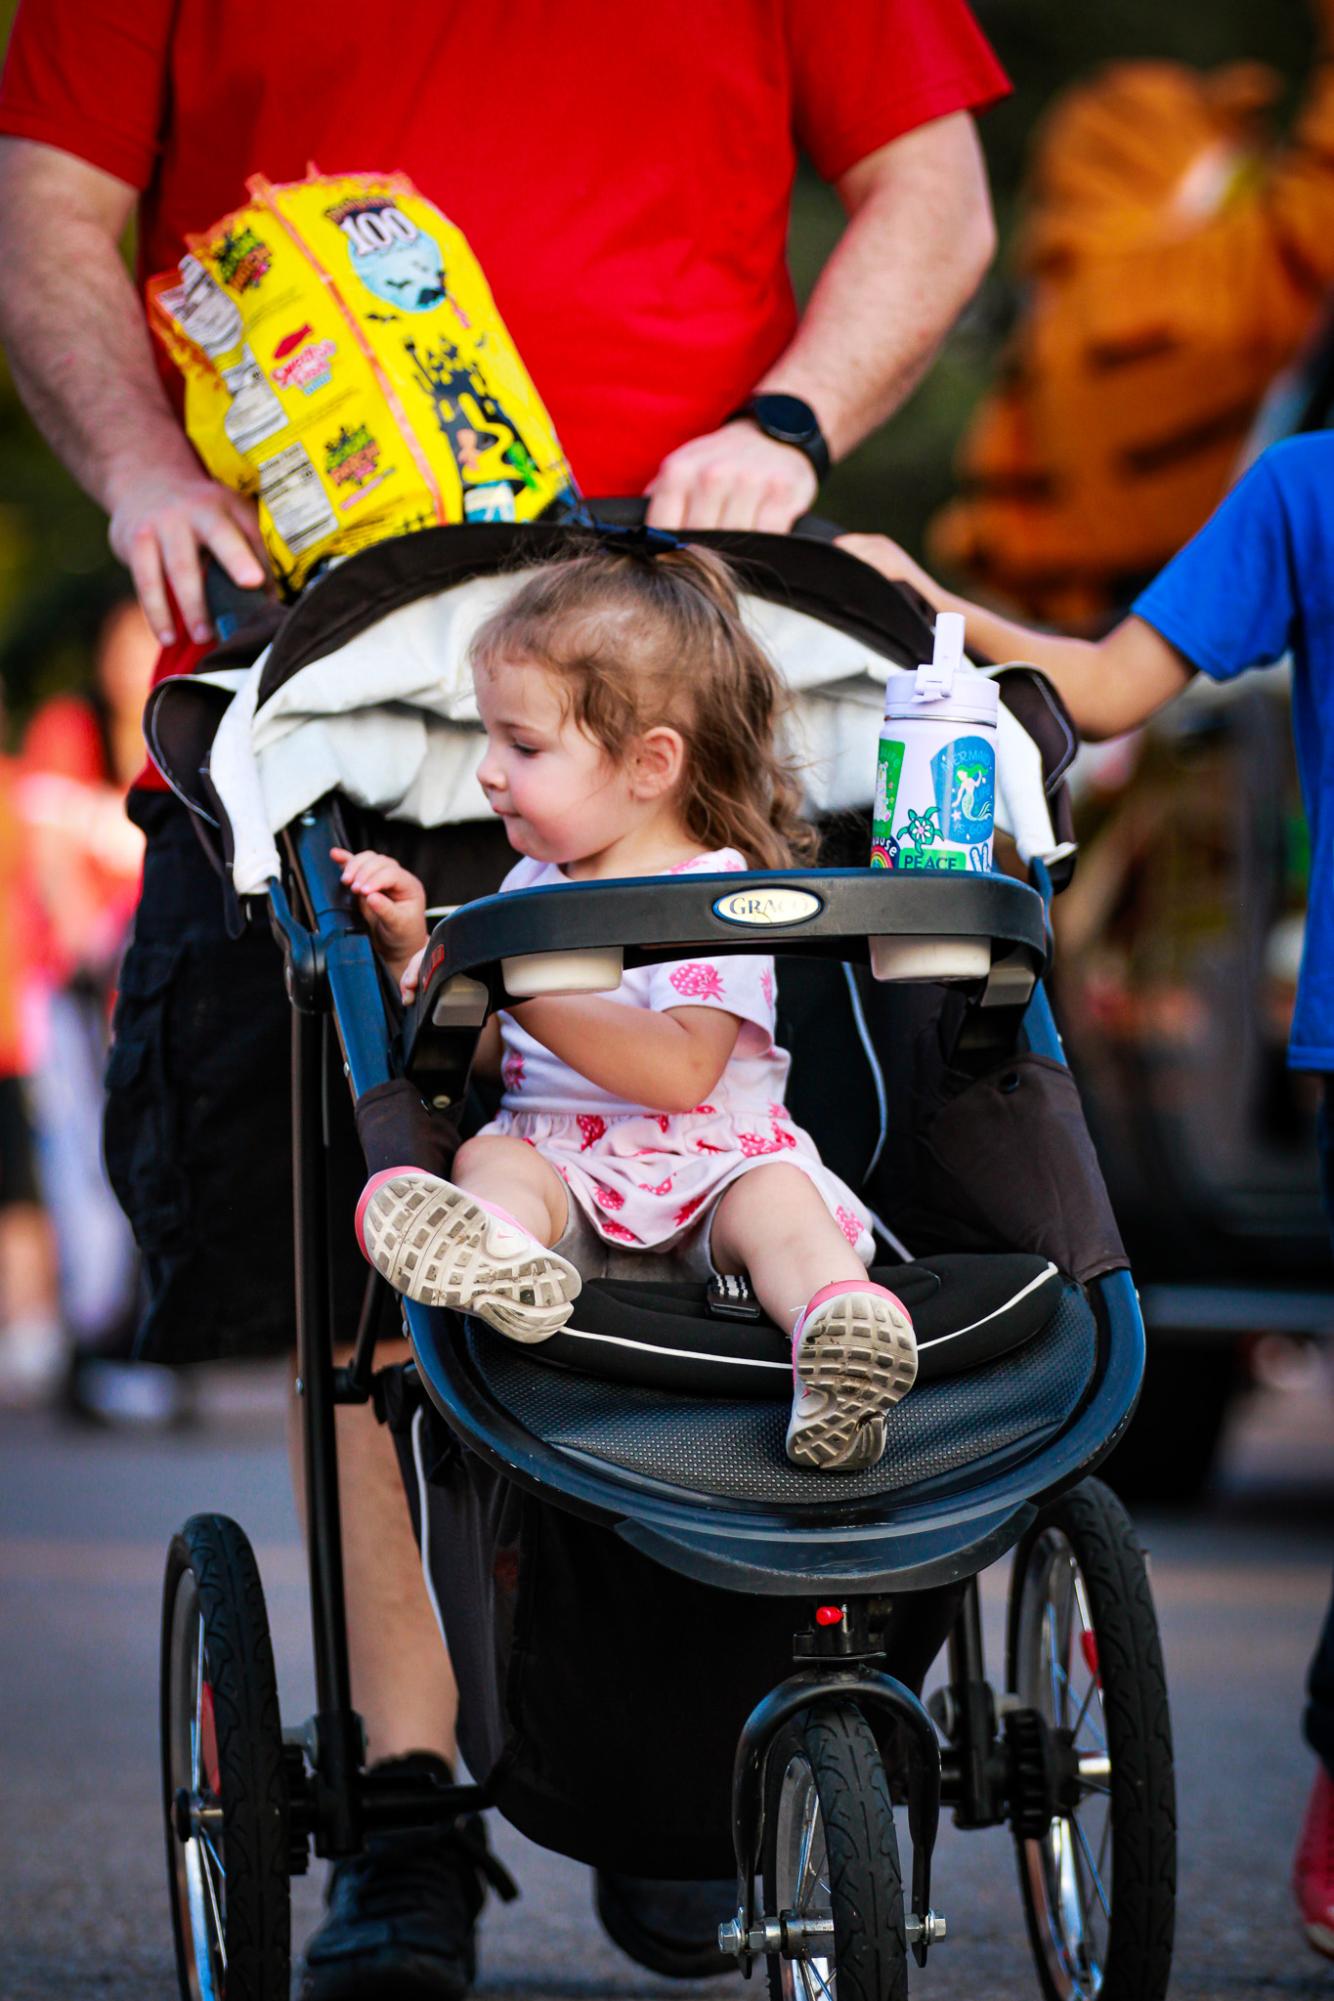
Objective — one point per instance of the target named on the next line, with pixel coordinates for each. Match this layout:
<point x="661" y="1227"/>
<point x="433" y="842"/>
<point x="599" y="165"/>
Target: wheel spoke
<point x="817" y="1976"/>
<point x="1089" y="1694"/>
<point x="1082" y="1839"/>
<point x="1067" y="1609"/>
<point x="1082" y="1603"/>
<point x="1106" y="1837"/>
<point x="212" y="1893"/>
<point x="1089" y="1724"/>
<point x="804" y="1854"/>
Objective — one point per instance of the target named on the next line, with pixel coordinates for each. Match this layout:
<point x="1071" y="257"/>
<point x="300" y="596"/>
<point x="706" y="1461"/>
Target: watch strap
<point x="810" y="442"/>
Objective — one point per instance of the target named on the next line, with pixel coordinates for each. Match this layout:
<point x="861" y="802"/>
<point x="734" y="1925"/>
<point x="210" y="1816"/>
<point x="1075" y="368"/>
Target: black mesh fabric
<point x="712" y="1446"/>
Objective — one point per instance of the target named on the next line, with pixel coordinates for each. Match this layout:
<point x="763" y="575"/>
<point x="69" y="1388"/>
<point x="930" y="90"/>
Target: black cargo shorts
<point x="197" y="1129"/>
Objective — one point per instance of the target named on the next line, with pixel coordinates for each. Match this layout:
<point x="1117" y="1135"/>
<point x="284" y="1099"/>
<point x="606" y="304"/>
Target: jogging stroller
<point x="609" y="1527"/>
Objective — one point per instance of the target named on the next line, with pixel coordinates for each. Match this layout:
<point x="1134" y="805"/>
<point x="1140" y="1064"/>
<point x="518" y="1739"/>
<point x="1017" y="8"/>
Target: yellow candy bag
<point x="344" y="361"/>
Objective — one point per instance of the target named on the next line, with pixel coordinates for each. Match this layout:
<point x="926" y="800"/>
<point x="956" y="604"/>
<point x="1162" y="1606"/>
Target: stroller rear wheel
<point x="1099" y="1886"/>
<point x="223" y="1783"/>
<point x="831" y="1860"/>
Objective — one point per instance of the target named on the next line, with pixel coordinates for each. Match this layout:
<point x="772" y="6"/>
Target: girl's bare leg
<point x="513" y="1175"/>
<point x="773" y="1226"/>
<point x="479" y="1243"/>
<point x="853" y="1353"/>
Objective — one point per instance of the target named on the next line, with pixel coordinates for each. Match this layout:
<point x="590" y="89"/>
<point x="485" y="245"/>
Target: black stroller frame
<point x="848" y="1559"/>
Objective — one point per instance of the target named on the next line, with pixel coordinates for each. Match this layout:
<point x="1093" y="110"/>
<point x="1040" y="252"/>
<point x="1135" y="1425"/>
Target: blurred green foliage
<point x="55" y="569"/>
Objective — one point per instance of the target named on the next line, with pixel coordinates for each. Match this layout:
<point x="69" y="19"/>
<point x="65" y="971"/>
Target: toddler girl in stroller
<point x="630" y="720"/>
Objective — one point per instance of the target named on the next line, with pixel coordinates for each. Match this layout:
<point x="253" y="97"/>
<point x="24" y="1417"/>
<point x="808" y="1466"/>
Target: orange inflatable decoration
<point x="1175" y="261"/>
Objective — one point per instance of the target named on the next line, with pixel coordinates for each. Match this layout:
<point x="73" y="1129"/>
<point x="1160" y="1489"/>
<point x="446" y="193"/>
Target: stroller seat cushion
<point x="966" y="1309"/>
<point x="995" y="1415"/>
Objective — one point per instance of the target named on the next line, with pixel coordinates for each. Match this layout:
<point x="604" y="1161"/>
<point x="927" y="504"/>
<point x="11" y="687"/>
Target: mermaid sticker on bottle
<point x="963" y="774"/>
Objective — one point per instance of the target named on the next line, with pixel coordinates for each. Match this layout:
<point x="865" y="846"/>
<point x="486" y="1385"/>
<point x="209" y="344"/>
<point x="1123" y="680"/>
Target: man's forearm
<point x="81" y="357"/>
<point x="918" y="240"/>
<point x="79" y="351"/>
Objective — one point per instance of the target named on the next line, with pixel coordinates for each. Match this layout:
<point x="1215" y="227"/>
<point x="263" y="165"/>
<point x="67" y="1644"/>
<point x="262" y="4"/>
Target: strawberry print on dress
<point x="512" y="1071"/>
<point x="697" y="979"/>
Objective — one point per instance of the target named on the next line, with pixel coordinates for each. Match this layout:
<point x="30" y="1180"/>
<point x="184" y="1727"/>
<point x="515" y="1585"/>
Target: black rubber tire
<point x="1105" y="1547"/>
<point x="865" y="1885"/>
<point x="212" y="1557"/>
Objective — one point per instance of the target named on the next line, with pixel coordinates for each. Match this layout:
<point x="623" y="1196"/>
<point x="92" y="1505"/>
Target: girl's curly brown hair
<point x="647" y="641"/>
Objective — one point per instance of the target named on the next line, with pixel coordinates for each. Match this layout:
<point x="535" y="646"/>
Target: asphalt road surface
<point x="84" y="1518"/>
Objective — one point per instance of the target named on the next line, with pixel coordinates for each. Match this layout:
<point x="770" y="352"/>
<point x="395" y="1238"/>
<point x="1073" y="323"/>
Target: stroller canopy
<point x="365" y="690"/>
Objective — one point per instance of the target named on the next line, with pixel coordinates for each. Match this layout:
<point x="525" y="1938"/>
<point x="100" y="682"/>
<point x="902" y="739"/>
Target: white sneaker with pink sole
<point x="438" y="1244"/>
<point x="853" y="1357"/>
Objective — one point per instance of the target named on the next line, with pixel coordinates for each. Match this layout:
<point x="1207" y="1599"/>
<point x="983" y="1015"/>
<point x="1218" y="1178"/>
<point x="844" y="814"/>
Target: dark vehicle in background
<point x="1180" y="941"/>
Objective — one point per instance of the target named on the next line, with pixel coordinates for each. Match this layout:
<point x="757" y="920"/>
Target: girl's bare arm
<point x="667" y="1062"/>
<point x="486" y="1056"/>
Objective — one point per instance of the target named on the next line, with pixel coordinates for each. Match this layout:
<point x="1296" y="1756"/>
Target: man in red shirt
<point x="624" y="177"/>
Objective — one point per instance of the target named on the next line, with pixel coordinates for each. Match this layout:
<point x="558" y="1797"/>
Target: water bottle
<point x="935" y="786"/>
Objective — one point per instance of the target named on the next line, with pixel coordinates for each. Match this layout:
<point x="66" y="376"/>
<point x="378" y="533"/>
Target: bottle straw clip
<point x="935" y="678"/>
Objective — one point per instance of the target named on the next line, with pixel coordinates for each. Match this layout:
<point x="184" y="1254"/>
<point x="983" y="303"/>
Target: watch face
<point x="786" y="418"/>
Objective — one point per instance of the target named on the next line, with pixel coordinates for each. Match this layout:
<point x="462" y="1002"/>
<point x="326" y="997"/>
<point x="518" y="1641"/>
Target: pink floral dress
<point x="644" y="1179"/>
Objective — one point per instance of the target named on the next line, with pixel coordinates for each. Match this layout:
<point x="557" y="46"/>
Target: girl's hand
<point x="392" y="903"/>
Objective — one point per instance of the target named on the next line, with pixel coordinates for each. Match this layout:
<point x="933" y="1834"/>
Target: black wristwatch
<point x="791" y="422"/>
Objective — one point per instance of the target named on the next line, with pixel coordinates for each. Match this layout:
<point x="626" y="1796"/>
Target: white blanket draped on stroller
<point x="389" y="719"/>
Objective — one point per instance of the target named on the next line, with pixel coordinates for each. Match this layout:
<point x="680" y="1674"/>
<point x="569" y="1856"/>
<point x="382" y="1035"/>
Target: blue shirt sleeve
<point x="1228" y="601"/>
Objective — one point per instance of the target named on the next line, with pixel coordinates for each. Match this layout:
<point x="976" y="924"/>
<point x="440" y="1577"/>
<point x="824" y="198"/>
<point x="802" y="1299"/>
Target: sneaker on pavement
<point x="1313" y="1869"/>
<point x="853" y="1356"/>
<point x="402" y="1914"/>
<point x="438" y="1244"/>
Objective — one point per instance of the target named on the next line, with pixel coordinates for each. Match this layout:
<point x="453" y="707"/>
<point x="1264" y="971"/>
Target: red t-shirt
<point x="622" y="173"/>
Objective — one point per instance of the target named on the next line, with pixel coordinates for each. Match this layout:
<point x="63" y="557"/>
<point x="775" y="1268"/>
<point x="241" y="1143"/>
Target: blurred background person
<point x="32" y="1339"/>
<point x="83" y="859"/>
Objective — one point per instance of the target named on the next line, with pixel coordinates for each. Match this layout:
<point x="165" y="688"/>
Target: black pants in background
<point x="1319" y="1719"/>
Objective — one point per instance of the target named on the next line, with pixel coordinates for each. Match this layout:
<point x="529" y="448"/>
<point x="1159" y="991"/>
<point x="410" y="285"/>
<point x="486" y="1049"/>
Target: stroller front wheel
<point x="831" y="1859"/>
<point x="223" y="1781"/>
<point x="1099" y="1886"/>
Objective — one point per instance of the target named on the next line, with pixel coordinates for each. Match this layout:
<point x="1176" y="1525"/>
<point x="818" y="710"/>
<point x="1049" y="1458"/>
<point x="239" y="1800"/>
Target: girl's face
<point x="561" y="797"/>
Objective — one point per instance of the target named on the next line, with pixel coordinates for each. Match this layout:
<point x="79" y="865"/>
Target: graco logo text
<point x="768" y="906"/>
